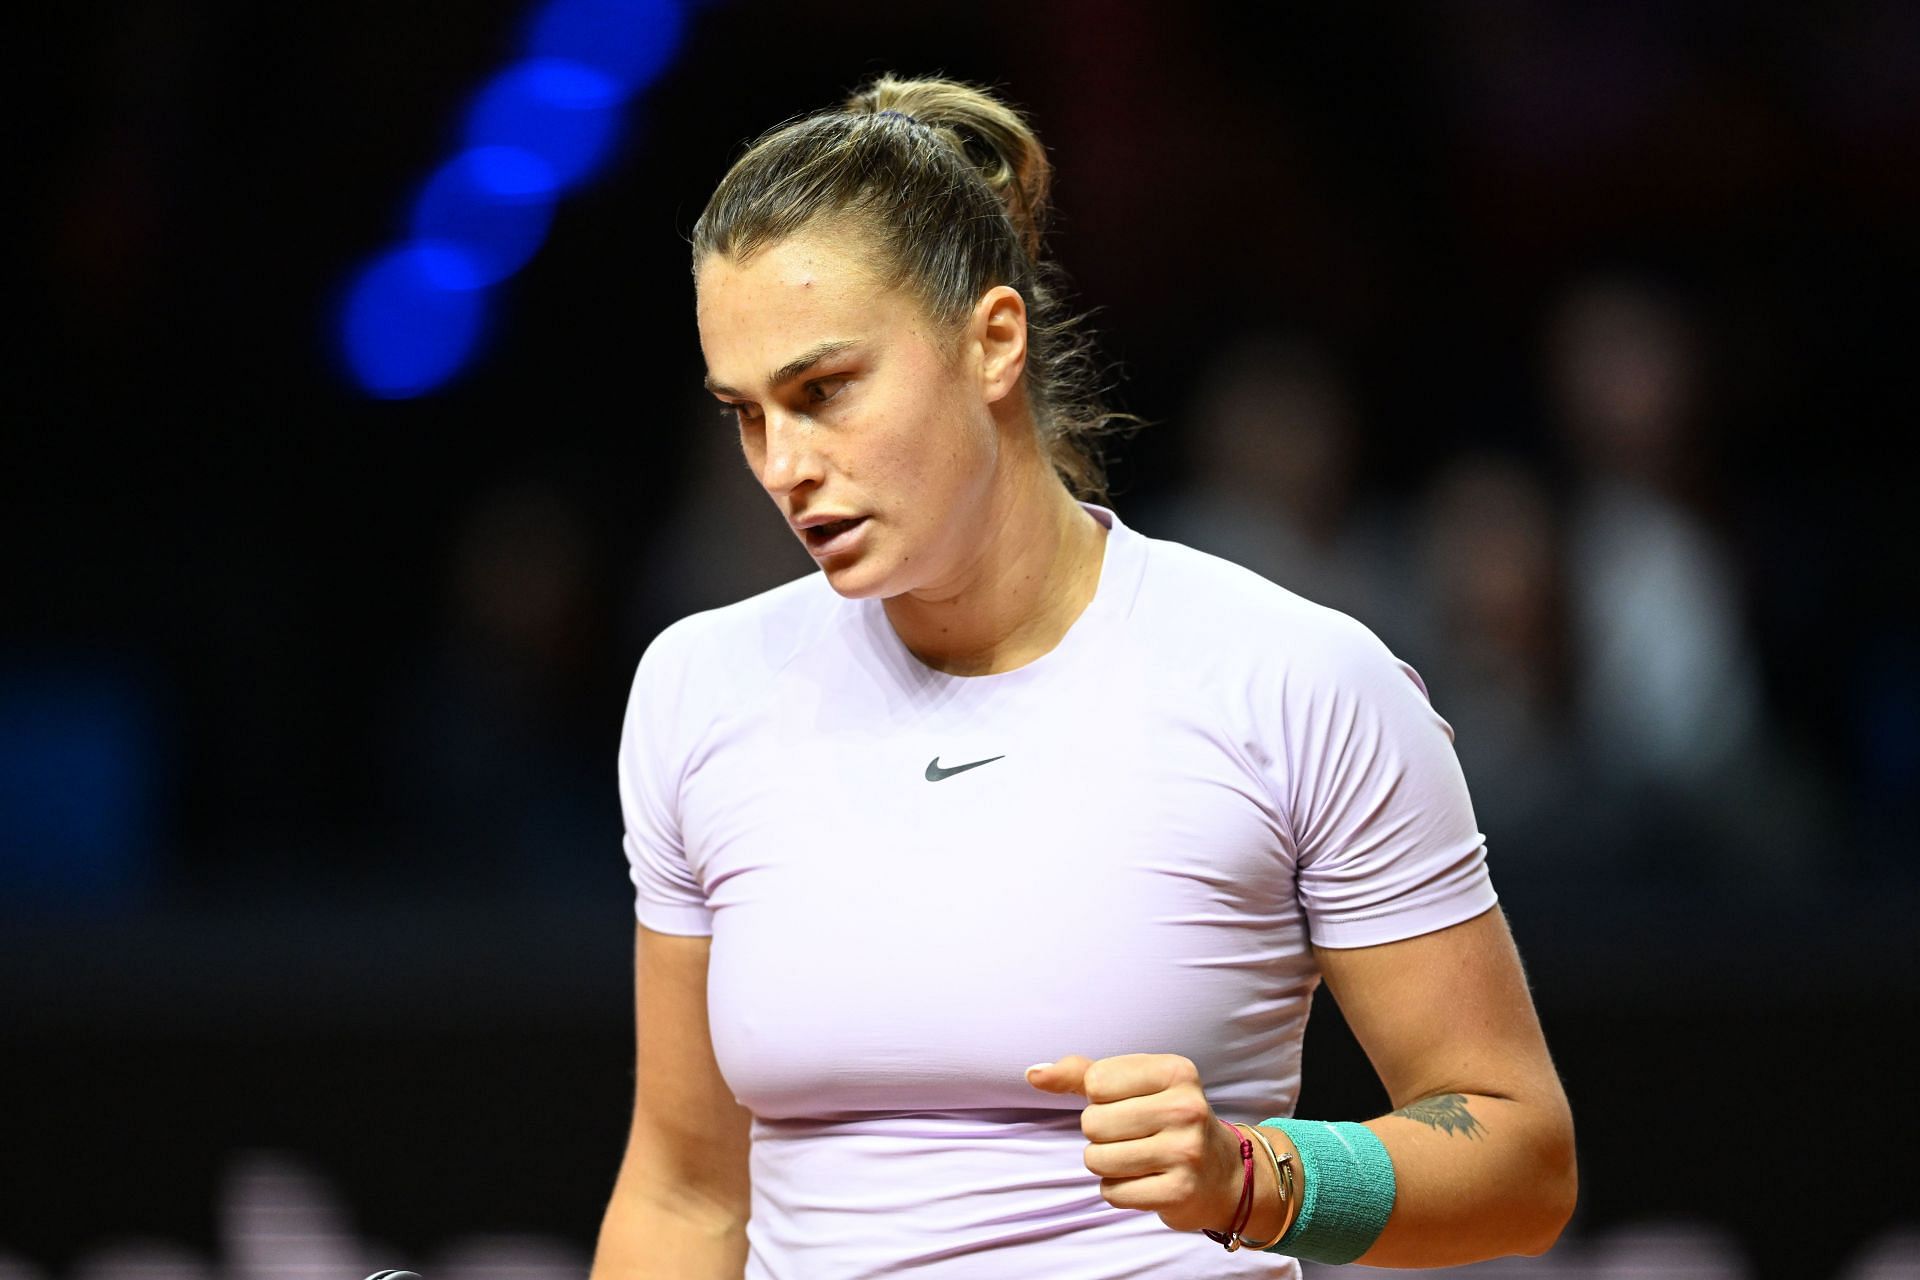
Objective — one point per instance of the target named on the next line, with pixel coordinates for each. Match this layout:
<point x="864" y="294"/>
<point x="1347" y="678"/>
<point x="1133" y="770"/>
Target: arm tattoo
<point x="1446" y="1112"/>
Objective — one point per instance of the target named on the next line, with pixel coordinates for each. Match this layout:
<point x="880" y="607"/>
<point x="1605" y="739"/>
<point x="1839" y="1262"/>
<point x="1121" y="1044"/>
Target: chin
<point x="868" y="572"/>
<point x="859" y="579"/>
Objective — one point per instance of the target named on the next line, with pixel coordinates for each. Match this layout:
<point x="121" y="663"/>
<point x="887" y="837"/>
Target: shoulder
<point x="735" y="649"/>
<point x="1193" y="600"/>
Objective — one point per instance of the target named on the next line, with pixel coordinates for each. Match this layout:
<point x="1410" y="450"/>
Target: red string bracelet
<point x="1229" y="1239"/>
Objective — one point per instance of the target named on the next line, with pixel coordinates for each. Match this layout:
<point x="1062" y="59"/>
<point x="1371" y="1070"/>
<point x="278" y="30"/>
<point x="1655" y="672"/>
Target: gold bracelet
<point x="1282" y="1182"/>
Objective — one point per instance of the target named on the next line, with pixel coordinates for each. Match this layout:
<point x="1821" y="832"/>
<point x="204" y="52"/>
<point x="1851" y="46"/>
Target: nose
<point x="789" y="454"/>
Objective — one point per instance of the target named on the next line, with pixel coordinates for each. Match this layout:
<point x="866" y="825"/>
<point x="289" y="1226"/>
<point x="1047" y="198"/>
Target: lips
<point x="829" y="536"/>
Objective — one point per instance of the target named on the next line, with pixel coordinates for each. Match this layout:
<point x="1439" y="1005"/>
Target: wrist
<point x="1245" y="1188"/>
<point x="1347" y="1189"/>
<point x="1273" y="1209"/>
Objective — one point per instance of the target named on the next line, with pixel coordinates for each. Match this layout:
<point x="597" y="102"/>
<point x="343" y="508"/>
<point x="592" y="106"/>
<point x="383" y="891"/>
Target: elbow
<point x="1553" y="1221"/>
<point x="1559" y="1184"/>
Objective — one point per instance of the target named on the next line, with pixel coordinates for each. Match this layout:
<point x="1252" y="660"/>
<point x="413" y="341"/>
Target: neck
<point x="1031" y="574"/>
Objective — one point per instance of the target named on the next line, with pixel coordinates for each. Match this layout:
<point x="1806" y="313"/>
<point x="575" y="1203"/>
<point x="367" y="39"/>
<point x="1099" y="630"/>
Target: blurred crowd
<point x="1578" y="606"/>
<point x="1578" y="613"/>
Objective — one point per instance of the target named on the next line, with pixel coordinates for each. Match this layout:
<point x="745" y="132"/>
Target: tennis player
<point x="984" y="878"/>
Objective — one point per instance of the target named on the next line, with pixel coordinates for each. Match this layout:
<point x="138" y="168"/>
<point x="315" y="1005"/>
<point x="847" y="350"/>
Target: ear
<point x="1000" y="332"/>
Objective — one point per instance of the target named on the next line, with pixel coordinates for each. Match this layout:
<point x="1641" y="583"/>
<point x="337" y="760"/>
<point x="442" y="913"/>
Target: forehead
<point x="787" y="293"/>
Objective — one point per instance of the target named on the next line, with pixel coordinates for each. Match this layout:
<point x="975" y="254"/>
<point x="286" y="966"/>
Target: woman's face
<point x="869" y="426"/>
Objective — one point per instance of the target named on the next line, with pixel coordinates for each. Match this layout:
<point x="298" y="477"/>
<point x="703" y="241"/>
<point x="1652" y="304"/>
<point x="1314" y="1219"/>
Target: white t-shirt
<point x="917" y="884"/>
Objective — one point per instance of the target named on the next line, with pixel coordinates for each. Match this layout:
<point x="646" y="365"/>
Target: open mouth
<point x="821" y="536"/>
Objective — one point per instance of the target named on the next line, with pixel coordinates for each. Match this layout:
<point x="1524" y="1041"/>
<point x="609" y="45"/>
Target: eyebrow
<point x="792" y="368"/>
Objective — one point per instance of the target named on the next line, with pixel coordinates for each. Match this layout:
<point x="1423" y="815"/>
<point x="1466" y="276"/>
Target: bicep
<point x="690" y="1137"/>
<point x="1445" y="1012"/>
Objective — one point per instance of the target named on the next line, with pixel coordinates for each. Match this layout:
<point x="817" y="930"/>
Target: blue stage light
<point x="415" y="315"/>
<point x="629" y="40"/>
<point x="492" y="204"/>
<point x="411" y="320"/>
<point x="562" y="112"/>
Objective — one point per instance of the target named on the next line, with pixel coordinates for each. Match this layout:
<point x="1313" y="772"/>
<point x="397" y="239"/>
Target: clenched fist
<point x="1155" y="1142"/>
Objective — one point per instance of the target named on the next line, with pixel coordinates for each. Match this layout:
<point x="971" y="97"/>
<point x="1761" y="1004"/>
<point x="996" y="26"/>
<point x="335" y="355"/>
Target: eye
<point x="738" y="412"/>
<point x="822" y="390"/>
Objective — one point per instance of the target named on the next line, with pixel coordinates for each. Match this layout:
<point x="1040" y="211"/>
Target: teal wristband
<point x="1346" y="1190"/>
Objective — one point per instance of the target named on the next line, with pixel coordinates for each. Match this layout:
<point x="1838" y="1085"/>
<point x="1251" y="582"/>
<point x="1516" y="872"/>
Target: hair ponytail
<point x="953" y="186"/>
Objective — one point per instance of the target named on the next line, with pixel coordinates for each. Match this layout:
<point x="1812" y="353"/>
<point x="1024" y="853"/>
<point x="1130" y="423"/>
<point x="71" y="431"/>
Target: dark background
<point x="314" y="922"/>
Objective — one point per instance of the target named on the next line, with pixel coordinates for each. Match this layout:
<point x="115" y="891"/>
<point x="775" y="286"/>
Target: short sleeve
<point x="1385" y="842"/>
<point x="668" y="896"/>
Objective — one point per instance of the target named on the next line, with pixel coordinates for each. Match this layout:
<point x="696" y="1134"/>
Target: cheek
<point x="955" y="436"/>
<point x="926" y="450"/>
<point x="939" y="453"/>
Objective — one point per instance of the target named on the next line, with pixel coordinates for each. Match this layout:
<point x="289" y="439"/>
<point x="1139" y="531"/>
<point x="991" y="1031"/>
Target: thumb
<point x="1065" y="1075"/>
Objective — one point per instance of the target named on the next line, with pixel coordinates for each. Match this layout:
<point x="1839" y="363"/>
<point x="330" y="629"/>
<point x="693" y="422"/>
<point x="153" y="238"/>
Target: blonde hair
<point x="951" y="186"/>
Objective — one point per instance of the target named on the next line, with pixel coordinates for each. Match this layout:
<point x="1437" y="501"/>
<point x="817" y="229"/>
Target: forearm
<point x="644" y="1237"/>
<point x="1475" y="1177"/>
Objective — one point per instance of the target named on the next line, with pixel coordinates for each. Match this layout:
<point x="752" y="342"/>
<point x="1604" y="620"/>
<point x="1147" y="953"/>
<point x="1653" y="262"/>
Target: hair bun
<point x="994" y="137"/>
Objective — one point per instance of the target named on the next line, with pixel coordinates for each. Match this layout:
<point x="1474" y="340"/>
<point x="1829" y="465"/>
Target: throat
<point x="1018" y="610"/>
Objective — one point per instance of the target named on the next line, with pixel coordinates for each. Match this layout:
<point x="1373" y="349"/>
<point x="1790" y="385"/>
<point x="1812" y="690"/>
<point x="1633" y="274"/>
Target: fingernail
<point x="1039" y="1066"/>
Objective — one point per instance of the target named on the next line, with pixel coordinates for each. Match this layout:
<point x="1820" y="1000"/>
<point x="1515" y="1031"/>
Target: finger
<point x="1136" y="1075"/>
<point x="1142" y="1117"/>
<point x="1134" y="1158"/>
<point x="1065" y="1075"/>
<point x="1175" y="1195"/>
<point x="1152" y="1191"/>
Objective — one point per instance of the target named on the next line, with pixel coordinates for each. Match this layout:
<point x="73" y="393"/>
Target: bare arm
<point x="679" y="1207"/>
<point x="1481" y="1136"/>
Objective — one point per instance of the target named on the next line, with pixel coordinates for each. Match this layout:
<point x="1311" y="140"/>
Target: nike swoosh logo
<point x="935" y="773"/>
